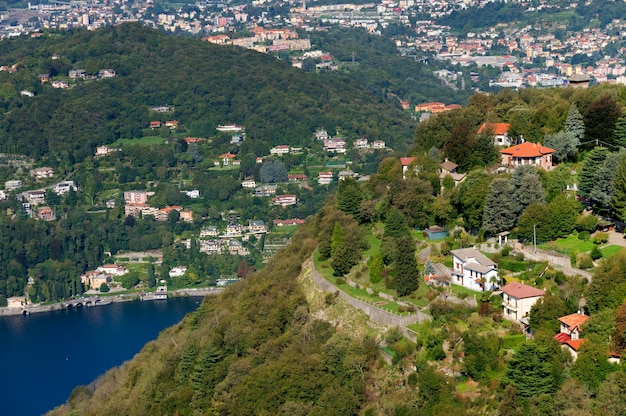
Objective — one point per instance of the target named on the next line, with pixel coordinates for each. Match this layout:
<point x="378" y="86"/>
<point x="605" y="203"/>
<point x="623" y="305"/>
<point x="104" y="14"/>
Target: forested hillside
<point x="206" y="85"/>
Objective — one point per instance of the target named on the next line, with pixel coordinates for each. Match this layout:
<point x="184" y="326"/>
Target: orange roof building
<point x="500" y="132"/>
<point x="528" y="153"/>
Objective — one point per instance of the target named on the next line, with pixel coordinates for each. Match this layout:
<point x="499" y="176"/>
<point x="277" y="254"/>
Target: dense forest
<point x="205" y="84"/>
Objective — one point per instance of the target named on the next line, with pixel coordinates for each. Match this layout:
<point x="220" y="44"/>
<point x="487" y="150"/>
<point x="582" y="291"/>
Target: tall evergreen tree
<point x="618" y="199"/>
<point x="349" y="197"/>
<point x="499" y="214"/>
<point x="590" y="166"/>
<point x="600" y="119"/>
<point x="602" y="190"/>
<point x="407" y="273"/>
<point x="528" y="188"/>
<point x="530" y="371"/>
<point x="574" y="124"/>
<point x="396" y="226"/>
<point x="564" y="143"/>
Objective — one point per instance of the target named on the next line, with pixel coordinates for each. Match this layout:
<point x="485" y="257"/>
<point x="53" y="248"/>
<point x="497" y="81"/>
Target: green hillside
<point x="205" y="84"/>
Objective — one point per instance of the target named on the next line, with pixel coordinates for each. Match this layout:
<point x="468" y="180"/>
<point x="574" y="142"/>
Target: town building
<point x="473" y="270"/>
<point x="178" y="271"/>
<point x="500" y="132"/>
<point x="517" y="299"/>
<point x="285" y="200"/>
<point x="137" y="197"/>
<point x="324" y="178"/>
<point x="280" y="150"/>
<point x="448" y="168"/>
<point x="112" y="269"/>
<point x="12" y="185"/>
<point x="42" y="173"/>
<point x="527" y="153"/>
<point x="64" y="187"/>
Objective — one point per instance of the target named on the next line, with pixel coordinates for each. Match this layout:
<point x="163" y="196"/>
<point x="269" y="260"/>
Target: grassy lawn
<point x="462" y="291"/>
<point x="374" y="244"/>
<point x="609" y="251"/>
<point x="566" y="245"/>
<point x="512" y="342"/>
<point x="147" y="140"/>
<point x="326" y="271"/>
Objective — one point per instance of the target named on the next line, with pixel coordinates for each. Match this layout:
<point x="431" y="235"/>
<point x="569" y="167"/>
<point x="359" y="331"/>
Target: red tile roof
<point x="527" y="149"/>
<point x="562" y="338"/>
<point x="521" y="291"/>
<point x="497" y="128"/>
<point x="575" y="344"/>
<point x="406" y="161"/>
<point x="574" y="320"/>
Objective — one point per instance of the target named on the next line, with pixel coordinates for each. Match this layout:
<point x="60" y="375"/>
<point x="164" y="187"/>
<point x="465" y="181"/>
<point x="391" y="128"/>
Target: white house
<point x="210" y="231"/>
<point x="112" y="269"/>
<point x="248" y="183"/>
<point x="64" y="187"/>
<point x="3" y="195"/>
<point x="324" y="178"/>
<point x="178" y="271"/>
<point x="360" y="144"/>
<point x="473" y="270"/>
<point x="12" y="185"/>
<point x="378" y="144"/>
<point x="280" y="150"/>
<point x="517" y="299"/>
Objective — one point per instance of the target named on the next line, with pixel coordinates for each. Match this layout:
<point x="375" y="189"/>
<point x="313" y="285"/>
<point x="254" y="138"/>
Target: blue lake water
<point x="43" y="356"/>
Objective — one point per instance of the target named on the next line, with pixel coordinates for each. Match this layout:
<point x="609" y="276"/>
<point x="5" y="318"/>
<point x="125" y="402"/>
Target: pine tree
<point x="620" y="132"/>
<point x="564" y="144"/>
<point x="574" y="124"/>
<point x="618" y="200"/>
<point x="499" y="214"/>
<point x="396" y="226"/>
<point x="530" y="191"/>
<point x="407" y="273"/>
<point x="602" y="189"/>
<point x="349" y="197"/>
<point x="590" y="166"/>
<point x="151" y="276"/>
<point x="530" y="371"/>
<point x="600" y="119"/>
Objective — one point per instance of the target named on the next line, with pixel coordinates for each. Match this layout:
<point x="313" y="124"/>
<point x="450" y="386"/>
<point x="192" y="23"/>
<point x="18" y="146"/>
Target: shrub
<point x="506" y="250"/>
<point x="585" y="262"/>
<point x="401" y="309"/>
<point x="595" y="253"/>
<point x="586" y="223"/>
<point x="329" y="299"/>
<point x="340" y="281"/>
<point x="584" y="235"/>
<point x="512" y="265"/>
<point x="601" y="237"/>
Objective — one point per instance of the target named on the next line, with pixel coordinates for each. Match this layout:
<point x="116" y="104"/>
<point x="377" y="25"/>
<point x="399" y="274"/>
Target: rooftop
<point x="521" y="291"/>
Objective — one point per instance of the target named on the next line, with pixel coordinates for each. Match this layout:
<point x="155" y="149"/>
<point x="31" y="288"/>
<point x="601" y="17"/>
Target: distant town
<point x="522" y="55"/>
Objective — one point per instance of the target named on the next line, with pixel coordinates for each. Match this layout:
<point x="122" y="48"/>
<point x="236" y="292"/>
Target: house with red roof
<point x="500" y="132"/>
<point x="527" y="153"/>
<point x="570" y="334"/>
<point x="517" y="299"/>
<point x="406" y="162"/>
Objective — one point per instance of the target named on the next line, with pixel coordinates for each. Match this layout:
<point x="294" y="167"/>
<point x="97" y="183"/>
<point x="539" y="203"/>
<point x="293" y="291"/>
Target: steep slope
<point x="206" y="85"/>
<point x="256" y="349"/>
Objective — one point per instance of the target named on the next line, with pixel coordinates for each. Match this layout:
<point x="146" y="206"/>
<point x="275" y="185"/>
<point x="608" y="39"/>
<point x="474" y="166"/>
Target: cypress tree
<point x="618" y="200"/>
<point x="407" y="273"/>
<point x="396" y="225"/>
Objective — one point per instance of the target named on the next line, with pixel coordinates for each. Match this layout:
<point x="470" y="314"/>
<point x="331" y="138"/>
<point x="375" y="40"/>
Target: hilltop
<point x="204" y="84"/>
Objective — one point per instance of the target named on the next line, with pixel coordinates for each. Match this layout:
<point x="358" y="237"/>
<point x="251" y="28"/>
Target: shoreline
<point x="106" y="300"/>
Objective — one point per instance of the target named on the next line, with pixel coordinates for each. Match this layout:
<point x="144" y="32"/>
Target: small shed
<point x="435" y="232"/>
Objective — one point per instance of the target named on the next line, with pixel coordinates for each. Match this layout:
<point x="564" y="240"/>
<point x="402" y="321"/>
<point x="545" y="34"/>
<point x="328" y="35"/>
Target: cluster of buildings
<point x="215" y="241"/>
<point x="103" y="274"/>
<point x="135" y="204"/>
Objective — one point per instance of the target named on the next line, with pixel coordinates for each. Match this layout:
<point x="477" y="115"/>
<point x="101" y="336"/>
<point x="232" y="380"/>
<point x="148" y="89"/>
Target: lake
<point x="45" y="355"/>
